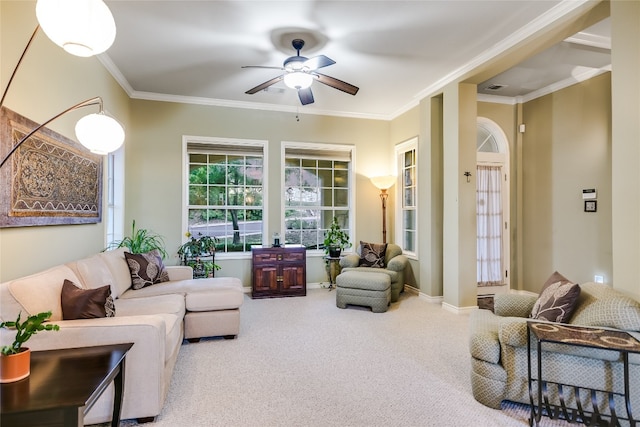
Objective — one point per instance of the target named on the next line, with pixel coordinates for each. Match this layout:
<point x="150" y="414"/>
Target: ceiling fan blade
<point x="337" y="84"/>
<point x="318" y="62"/>
<point x="262" y="66"/>
<point x="264" y="85"/>
<point x="306" y="96"/>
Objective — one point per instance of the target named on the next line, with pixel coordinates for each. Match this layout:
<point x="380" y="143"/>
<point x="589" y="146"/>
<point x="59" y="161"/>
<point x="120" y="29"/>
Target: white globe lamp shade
<point x="81" y="27"/>
<point x="298" y="80"/>
<point x="383" y="182"/>
<point x="100" y="133"/>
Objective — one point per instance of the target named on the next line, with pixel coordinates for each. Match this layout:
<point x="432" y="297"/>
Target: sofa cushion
<point x="146" y="269"/>
<point x="372" y="254"/>
<point x="93" y="272"/>
<point x="78" y="303"/>
<point x="41" y="292"/>
<point x="119" y="269"/>
<point x="172" y="304"/>
<point x="557" y="299"/>
<point x="219" y="293"/>
<point x="602" y="306"/>
<point x="513" y="305"/>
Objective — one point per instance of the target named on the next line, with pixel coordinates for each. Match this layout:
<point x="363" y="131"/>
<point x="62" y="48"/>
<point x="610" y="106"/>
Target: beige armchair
<point x="395" y="263"/>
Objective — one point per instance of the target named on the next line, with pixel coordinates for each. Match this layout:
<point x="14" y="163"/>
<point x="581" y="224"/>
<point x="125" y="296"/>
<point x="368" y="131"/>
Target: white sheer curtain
<point x="489" y="212"/>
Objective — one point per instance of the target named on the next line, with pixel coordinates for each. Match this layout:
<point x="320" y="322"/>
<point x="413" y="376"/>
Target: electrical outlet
<point x="598" y="279"/>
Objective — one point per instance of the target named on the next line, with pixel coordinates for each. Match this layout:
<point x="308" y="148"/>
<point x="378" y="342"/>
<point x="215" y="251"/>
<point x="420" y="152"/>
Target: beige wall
<point x="625" y="17"/>
<point x="154" y="166"/>
<point x="567" y="148"/>
<point x="49" y="81"/>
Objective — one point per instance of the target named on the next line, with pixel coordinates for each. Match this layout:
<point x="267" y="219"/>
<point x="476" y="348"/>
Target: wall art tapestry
<point x="49" y="180"/>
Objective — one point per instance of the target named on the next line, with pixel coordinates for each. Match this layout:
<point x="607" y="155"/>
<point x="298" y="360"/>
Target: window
<point x="406" y="153"/>
<point x="316" y="189"/>
<point x="114" y="221"/>
<point x="225" y="192"/>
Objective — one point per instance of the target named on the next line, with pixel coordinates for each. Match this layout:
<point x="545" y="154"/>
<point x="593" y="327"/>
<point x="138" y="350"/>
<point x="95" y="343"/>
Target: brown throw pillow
<point x="557" y="299"/>
<point x="372" y="254"/>
<point x="78" y="303"/>
<point x="146" y="269"/>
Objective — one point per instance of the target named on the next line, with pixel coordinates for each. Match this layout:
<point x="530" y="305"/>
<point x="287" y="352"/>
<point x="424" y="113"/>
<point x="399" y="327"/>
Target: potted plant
<point x="16" y="359"/>
<point x="193" y="251"/>
<point x="141" y="241"/>
<point x="335" y="240"/>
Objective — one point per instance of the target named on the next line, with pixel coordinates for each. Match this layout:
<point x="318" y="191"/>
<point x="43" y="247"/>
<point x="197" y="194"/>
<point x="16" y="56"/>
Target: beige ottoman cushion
<point x="364" y="288"/>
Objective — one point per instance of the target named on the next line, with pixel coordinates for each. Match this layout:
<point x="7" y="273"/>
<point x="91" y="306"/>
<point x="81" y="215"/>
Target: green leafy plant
<point x="335" y="237"/>
<point x="193" y="249"/>
<point x="141" y="241"/>
<point x="24" y="330"/>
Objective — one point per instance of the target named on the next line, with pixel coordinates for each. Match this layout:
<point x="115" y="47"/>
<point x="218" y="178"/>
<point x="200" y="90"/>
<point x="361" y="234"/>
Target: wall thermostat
<point x="589" y="193"/>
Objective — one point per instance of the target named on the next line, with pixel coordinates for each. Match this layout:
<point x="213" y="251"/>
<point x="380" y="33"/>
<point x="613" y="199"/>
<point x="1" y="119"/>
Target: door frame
<point x="500" y="159"/>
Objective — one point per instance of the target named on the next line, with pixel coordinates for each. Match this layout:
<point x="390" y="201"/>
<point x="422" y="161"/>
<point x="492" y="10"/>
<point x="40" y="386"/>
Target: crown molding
<point x="560" y="11"/>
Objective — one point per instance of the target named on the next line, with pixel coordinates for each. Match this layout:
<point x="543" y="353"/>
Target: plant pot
<point x="15" y="367"/>
<point x="334" y="252"/>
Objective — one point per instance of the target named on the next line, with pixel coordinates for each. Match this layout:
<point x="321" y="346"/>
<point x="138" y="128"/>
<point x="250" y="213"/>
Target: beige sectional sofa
<point x="155" y="319"/>
<point x="498" y="347"/>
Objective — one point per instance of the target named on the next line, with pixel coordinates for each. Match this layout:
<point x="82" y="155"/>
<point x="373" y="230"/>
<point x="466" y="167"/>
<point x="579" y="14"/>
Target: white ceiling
<point x="394" y="51"/>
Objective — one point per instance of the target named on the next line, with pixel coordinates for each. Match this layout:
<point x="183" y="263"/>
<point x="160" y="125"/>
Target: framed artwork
<point x="49" y="180"/>
<point x="590" y="205"/>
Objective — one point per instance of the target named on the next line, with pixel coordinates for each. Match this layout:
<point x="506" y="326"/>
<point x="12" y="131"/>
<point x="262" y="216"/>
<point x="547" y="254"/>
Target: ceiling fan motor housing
<point x="295" y="63"/>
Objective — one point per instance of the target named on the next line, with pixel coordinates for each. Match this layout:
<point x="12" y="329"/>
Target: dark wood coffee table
<point x="64" y="385"/>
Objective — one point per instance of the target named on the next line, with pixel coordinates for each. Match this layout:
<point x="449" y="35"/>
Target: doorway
<point x="492" y="208"/>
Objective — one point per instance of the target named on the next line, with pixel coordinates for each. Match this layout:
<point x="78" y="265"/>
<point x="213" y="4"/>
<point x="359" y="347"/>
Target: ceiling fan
<point x="300" y="72"/>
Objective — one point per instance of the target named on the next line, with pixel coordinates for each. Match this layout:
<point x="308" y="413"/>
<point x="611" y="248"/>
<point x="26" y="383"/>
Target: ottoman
<point x="364" y="288"/>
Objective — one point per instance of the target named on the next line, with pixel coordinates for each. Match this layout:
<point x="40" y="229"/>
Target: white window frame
<point x="400" y="150"/>
<point x="249" y="143"/>
<point x="350" y="151"/>
<point x="114" y="217"/>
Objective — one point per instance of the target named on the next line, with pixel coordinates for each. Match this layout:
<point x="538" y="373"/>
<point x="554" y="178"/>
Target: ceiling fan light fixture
<point x="81" y="27"/>
<point x="298" y="80"/>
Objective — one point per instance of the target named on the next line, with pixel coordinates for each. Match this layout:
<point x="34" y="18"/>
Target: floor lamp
<point x="383" y="183"/>
<point x="82" y="28"/>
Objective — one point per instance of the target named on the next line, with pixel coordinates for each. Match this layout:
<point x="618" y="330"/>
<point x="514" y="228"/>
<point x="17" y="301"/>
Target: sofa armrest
<point x="179" y="272"/>
<point x="397" y="263"/>
<point x="513" y="305"/>
<point x="513" y="331"/>
<point x="350" y="261"/>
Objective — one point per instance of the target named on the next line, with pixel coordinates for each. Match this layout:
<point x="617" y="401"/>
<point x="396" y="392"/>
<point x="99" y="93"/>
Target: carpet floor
<point x="304" y="362"/>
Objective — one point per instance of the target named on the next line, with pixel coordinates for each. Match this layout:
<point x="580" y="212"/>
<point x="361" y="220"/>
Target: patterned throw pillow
<point x="372" y="254"/>
<point x="146" y="269"/>
<point x="557" y="300"/>
<point x="78" y="303"/>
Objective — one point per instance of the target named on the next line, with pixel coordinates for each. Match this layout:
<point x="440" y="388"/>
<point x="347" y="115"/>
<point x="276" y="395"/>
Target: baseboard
<point x="422" y="295"/>
<point x="320" y="285"/>
<point x="458" y="310"/>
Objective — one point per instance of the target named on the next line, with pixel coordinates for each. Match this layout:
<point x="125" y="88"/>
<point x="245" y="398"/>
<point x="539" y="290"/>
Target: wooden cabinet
<point x="279" y="272"/>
